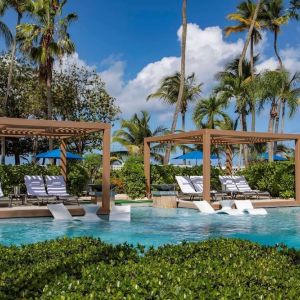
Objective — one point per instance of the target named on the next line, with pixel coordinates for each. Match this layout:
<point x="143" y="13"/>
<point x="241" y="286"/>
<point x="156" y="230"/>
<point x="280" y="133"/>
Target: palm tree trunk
<point x="49" y="104"/>
<point x="8" y="87"/>
<point x="253" y="111"/>
<point x="276" y="49"/>
<point x="248" y="37"/>
<point x="182" y="78"/>
<point x="277" y="119"/>
<point x="183" y="129"/>
<point x="283" y="116"/>
<point x="273" y="111"/>
<point x="245" y="147"/>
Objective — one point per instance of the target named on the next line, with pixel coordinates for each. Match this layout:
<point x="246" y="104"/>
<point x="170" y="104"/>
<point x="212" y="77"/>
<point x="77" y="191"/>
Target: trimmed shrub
<point x="277" y="177"/>
<point x="133" y="177"/>
<point x="86" y="268"/>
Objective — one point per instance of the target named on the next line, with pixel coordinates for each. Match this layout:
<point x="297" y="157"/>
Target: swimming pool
<point x="150" y="226"/>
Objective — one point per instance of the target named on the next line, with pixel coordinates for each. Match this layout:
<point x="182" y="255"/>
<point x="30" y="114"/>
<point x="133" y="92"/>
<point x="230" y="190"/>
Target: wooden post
<point x="297" y="170"/>
<point x="206" y="166"/>
<point x="106" y="171"/>
<point x="229" y="160"/>
<point x="147" y="167"/>
<point x="63" y="159"/>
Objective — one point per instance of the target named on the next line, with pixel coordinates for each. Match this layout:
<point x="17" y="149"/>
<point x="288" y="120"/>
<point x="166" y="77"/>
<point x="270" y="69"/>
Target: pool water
<point x="155" y="227"/>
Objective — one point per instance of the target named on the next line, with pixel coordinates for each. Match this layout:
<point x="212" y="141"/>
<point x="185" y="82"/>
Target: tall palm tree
<point x="245" y="16"/>
<point x="169" y="90"/>
<point x="271" y="92"/>
<point x="182" y="77"/>
<point x="209" y="113"/>
<point x="275" y="15"/>
<point x="290" y="96"/>
<point x="132" y="134"/>
<point x="46" y="39"/>
<point x="4" y="30"/>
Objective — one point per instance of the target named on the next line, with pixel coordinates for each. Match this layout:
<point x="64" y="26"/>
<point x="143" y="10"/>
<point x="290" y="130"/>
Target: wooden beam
<point x="147" y="167"/>
<point x="63" y="159"/>
<point x="297" y="170"/>
<point x="106" y="172"/>
<point x="34" y="123"/>
<point x="206" y="166"/>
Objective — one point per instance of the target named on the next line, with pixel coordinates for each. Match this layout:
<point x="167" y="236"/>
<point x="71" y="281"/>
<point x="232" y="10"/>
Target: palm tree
<point x="169" y="90"/>
<point x="245" y="16"/>
<point x="209" y="113"/>
<point x="4" y="30"/>
<point x="294" y="8"/>
<point x="290" y="96"/>
<point x="182" y="77"/>
<point x="132" y="134"/>
<point x="275" y="15"/>
<point x="46" y="39"/>
<point x="273" y="86"/>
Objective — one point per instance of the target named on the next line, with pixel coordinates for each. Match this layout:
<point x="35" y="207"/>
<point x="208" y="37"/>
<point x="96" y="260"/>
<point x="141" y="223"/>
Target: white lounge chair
<point x="246" y="206"/>
<point x="59" y="212"/>
<point x="229" y="186"/>
<point x="120" y="213"/>
<point x="90" y="212"/>
<point x="197" y="182"/>
<point x="56" y="186"/>
<point x="244" y="187"/>
<point x="187" y="187"/>
<point x="206" y="208"/>
<point x="36" y="189"/>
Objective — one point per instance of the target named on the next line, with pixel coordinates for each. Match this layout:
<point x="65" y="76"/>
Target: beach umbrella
<point x="195" y="155"/>
<point x="265" y="156"/>
<point x="56" y="153"/>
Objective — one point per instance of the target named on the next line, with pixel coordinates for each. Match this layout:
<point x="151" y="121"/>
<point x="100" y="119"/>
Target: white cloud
<point x="290" y="59"/>
<point x="207" y="53"/>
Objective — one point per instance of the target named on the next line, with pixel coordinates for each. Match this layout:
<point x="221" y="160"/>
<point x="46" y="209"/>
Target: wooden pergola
<point x="63" y="130"/>
<point x="226" y="138"/>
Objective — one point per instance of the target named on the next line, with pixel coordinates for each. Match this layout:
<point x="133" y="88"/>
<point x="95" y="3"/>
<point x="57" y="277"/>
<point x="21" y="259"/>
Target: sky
<point x="133" y="44"/>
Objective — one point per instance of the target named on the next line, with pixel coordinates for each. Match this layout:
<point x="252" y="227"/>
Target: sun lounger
<point x="229" y="186"/>
<point x="36" y="190"/>
<point x="197" y="182"/>
<point x="56" y="186"/>
<point x="187" y="187"/>
<point x="246" y="206"/>
<point x="243" y="186"/>
<point x="205" y="207"/>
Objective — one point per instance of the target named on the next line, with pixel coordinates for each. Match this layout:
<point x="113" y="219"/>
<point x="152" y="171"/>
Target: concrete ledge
<point x="35" y="211"/>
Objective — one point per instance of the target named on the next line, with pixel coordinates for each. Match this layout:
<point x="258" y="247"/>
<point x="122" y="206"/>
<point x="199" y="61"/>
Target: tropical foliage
<point x="84" y="268"/>
<point x="132" y="133"/>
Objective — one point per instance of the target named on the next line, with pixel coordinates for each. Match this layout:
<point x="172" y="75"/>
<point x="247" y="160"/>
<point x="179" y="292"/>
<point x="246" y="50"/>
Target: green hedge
<point x="11" y="175"/>
<point x="131" y="179"/>
<point x="277" y="177"/>
<point x="86" y="268"/>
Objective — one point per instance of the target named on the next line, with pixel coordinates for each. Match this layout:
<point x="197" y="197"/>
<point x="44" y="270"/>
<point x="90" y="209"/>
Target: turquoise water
<point x="155" y="227"/>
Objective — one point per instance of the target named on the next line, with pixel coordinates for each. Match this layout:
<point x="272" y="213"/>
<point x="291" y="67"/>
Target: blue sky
<point x="134" y="43"/>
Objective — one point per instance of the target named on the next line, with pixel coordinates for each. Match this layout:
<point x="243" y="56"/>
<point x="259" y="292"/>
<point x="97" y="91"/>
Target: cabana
<point x="226" y="138"/>
<point x="63" y="130"/>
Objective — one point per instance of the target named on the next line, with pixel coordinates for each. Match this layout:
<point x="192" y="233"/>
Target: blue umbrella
<point x="56" y="155"/>
<point x="195" y="155"/>
<point x="265" y="156"/>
